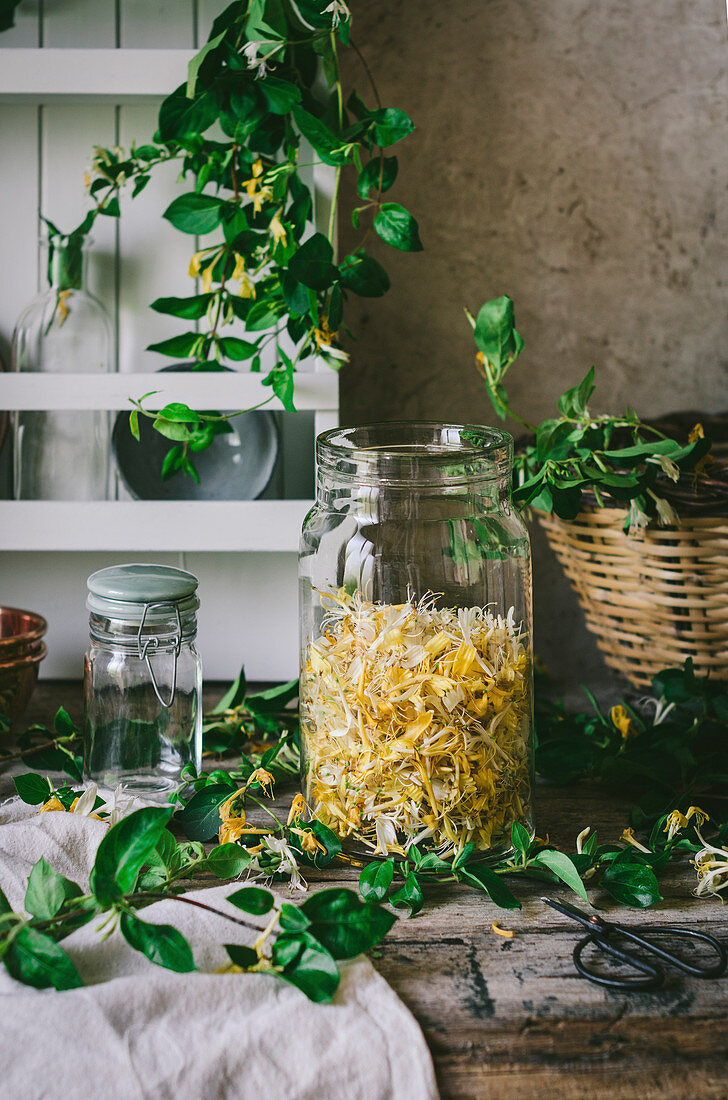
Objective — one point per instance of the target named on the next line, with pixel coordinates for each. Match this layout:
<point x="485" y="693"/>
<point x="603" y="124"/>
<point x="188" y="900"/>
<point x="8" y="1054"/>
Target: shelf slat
<point x="199" y="389"/>
<point x="142" y="526"/>
<point x="122" y="76"/>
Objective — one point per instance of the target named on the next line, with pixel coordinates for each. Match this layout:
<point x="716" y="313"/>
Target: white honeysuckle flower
<point x="338" y="10"/>
<point x="253" y="58"/>
<point x="386" y="835"/>
<point x="119" y="805"/>
<point x="637" y="518"/>
<point x="288" y="865"/>
<point x="582" y="837"/>
<point x="666" y="465"/>
<point x="665" y="511"/>
<point x="85" y="804"/>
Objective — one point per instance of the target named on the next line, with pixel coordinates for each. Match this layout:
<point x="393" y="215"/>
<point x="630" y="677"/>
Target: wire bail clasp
<point x="152" y="642"/>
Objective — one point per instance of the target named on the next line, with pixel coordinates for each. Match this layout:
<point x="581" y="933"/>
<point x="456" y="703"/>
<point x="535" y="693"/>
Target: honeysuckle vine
<point x="618" y="460"/>
<point x="268" y="79"/>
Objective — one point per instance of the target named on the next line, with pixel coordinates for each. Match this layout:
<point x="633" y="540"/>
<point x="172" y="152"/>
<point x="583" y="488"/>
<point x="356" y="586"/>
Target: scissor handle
<point x="715" y="970"/>
<point x="654" y="975"/>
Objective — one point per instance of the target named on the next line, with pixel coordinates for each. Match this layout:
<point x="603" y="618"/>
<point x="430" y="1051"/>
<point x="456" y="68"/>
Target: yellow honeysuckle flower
<point x="63" y="309"/>
<point x="622" y="721"/>
<point x="257" y="168"/>
<point x="52" y="804"/>
<point x="700" y="815"/>
<point x="297" y="810"/>
<point x="277" y="230"/>
<point x="239" y="275"/>
<point x="87" y="180"/>
<point x="696" y="433"/>
<point x="675" y="822"/>
<point x="260" y="775"/>
<point x="703" y="465"/>
<point x="629" y="838"/>
<point x="309" y="843"/>
<point x="231" y="830"/>
<point x="226" y="810"/>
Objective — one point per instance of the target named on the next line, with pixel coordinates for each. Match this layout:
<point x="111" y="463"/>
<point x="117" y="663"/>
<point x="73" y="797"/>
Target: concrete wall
<point x="573" y="154"/>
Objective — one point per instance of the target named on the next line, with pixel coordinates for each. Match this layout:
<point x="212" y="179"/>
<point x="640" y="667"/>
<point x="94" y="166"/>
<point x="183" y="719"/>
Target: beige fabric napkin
<point x="136" y="1031"/>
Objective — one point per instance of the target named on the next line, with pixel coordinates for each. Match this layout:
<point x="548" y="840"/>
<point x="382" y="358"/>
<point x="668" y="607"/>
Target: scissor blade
<point x="593" y="923"/>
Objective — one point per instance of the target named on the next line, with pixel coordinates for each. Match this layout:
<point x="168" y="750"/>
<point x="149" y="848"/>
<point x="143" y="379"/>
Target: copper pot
<point x="20" y="631"/>
<point x="21" y="651"/>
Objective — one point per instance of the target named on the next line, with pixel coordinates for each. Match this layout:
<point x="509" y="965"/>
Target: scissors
<point x="603" y="934"/>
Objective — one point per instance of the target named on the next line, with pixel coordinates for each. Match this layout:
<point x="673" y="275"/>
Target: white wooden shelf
<point x="317" y="390"/>
<point x="143" y="526"/>
<point x="117" y="76"/>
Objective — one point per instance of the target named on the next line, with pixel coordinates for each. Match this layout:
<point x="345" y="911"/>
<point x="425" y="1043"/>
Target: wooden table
<point x="510" y="1018"/>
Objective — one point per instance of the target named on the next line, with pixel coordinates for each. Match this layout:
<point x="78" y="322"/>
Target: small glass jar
<point x="142" y="678"/>
<point x="415" y="611"/>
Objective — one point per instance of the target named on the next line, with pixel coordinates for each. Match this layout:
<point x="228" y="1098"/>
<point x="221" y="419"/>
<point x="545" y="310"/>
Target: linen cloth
<point x="136" y="1031"/>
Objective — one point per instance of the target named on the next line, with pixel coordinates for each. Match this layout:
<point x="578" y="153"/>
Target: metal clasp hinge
<point x="153" y="643"/>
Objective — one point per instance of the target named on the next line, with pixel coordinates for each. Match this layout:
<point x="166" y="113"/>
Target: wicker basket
<point x="654" y="598"/>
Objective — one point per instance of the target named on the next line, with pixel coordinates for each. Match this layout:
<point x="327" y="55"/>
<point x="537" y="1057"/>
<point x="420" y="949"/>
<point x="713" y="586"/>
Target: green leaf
<point x="280" y="379"/>
<point x="32" y="788"/>
<point x="194" y="213"/>
<point x="177" y="411"/>
<point x="63" y="723"/>
<point x="573" y="402"/>
<point x="292" y="919"/>
<point x="241" y="955"/>
<point x="7" y="13"/>
<point x="631" y="883"/>
<point x="375" y="880"/>
<point x="124" y="850"/>
<point x="177" y="346"/>
<point x="397" y="227"/>
<point x="390" y="125"/>
<point x="409" y="896"/>
<point x="272" y="699"/>
<point x="482" y="878"/>
<point x="234" y="695"/>
<point x="35" y="959"/>
<point x="312" y="264"/>
<point x="252" y="899"/>
<point x="232" y="347"/>
<point x="47" y="891"/>
<point x="325" y="142"/>
<point x="563" y="868"/>
<point x="191" y="309"/>
<point x="134" y="424"/>
<point x="180" y="116"/>
<point x="368" y="178"/>
<point x="172" y="429"/>
<point x="5" y="906"/>
<point x="193" y="67"/>
<point x="364" y="276"/>
<point x="200" y="818"/>
<point x="495" y="333"/>
<point x="306" y="964"/>
<point x="228" y="860"/>
<point x="161" y="943"/>
<point x="280" y="95"/>
<point x="520" y="838"/>
<point x="172" y="462"/>
<point x="345" y="925"/>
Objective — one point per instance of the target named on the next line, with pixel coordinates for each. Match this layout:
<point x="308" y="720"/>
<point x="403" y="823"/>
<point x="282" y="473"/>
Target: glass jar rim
<point x="416" y="452"/>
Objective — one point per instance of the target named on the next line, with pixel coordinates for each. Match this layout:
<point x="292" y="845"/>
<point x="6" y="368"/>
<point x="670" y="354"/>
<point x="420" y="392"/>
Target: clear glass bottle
<point x="142" y="678"/>
<point x="58" y="454"/>
<point x="415" y="613"/>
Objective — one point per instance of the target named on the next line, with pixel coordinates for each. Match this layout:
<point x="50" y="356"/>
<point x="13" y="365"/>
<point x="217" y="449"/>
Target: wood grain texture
<point x="510" y="1018"/>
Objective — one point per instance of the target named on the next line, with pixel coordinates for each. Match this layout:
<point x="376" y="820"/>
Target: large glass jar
<point x="415" y="612"/>
<point x="60" y="455"/>
<point x="142" y="678"/>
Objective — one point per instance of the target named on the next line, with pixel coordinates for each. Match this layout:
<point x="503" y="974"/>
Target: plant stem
<point x="219" y="913"/>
